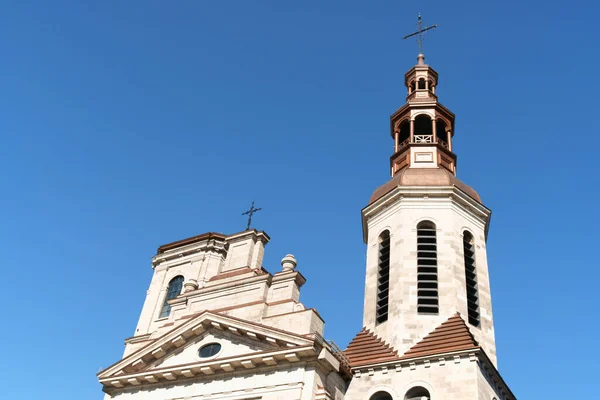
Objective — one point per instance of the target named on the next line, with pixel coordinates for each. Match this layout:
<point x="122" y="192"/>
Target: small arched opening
<point x="422" y="84"/>
<point x="381" y="395"/>
<point x="404" y="134"/>
<point x="417" y="393"/>
<point x="412" y="86"/>
<point x="441" y="132"/>
<point x="432" y="86"/>
<point x="423" y="129"/>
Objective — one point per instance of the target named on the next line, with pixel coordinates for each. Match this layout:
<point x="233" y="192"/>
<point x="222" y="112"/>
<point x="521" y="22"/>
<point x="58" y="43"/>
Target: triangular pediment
<point x="452" y="335"/>
<point x="367" y="348"/>
<point x="243" y="344"/>
<point x="220" y="341"/>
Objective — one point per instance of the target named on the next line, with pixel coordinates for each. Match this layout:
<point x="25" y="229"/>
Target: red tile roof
<point x="366" y="348"/>
<point x="452" y="335"/>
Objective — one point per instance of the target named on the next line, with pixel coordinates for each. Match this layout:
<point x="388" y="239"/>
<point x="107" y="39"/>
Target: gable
<point x="367" y="348"/>
<point x="231" y="345"/>
<point x="452" y="335"/>
<point x="175" y="353"/>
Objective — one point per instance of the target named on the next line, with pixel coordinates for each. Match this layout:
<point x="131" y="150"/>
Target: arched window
<point x="471" y="279"/>
<point x="422" y="83"/>
<point x="417" y="393"/>
<point x="427" y="279"/>
<point x="383" y="278"/>
<point x="173" y="291"/>
<point x="404" y="132"/>
<point x="381" y="395"/>
<point x="440" y="130"/>
<point x="423" y="126"/>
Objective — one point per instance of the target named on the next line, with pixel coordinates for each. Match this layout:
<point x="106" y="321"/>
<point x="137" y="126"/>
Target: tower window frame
<point x="471" y="286"/>
<point x="417" y="393"/>
<point x="173" y="290"/>
<point x="381" y="395"/>
<point x="427" y="270"/>
<point x="383" y="277"/>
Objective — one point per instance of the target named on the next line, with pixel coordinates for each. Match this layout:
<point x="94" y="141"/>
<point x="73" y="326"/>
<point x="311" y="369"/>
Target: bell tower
<point x="428" y="328"/>
<point x="426" y="230"/>
<point x="422" y="128"/>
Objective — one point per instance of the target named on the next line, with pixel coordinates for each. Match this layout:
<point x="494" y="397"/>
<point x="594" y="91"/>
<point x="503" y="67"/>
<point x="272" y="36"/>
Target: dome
<point x="423" y="177"/>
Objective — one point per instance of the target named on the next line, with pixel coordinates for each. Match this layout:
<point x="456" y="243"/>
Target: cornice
<point x="296" y="276"/>
<point x="223" y="365"/>
<point x="133" y="365"/>
<point x="449" y="192"/>
<point x="196" y="248"/>
<point x="256" y="235"/>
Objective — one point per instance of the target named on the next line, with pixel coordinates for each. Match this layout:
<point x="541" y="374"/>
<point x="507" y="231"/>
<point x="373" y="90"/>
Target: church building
<point x="216" y="325"/>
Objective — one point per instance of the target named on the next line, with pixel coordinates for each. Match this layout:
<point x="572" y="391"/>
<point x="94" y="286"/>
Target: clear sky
<point x="129" y="124"/>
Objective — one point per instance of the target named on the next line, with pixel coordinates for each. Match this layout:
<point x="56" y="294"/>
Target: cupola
<point x="422" y="128"/>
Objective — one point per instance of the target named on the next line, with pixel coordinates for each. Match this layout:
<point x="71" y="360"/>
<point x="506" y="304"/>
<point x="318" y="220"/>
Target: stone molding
<point x="135" y="369"/>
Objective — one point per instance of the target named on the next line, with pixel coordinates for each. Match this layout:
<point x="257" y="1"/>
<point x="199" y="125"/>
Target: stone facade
<point x="452" y="213"/>
<point x="271" y="346"/>
<point x="216" y="325"/>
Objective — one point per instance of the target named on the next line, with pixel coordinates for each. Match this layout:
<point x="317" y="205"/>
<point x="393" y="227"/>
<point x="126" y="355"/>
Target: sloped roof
<point x="423" y="177"/>
<point x="367" y="348"/>
<point x="452" y="335"/>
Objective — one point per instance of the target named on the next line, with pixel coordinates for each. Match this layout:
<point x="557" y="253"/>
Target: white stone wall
<point x="200" y="262"/>
<point x="405" y="327"/>
<point x="450" y="380"/>
<point x="486" y="390"/>
<point x="293" y="382"/>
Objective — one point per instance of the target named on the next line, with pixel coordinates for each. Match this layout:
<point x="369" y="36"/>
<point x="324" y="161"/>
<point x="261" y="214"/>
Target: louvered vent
<point x="383" y="278"/>
<point x="471" y="279"/>
<point x="427" y="278"/>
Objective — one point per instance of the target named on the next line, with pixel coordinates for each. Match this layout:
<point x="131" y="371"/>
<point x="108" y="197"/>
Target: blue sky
<point x="126" y="125"/>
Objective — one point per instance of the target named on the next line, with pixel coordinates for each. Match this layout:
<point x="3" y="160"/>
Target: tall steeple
<point x="426" y="230"/>
<point x="428" y="330"/>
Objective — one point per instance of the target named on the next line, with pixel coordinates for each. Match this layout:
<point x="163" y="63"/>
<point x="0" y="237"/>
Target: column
<point x="449" y="135"/>
<point x="434" y="130"/>
<point x="412" y="130"/>
<point x="396" y="133"/>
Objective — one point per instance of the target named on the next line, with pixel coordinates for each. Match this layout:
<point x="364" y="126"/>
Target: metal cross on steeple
<point x="419" y="33"/>
<point x="249" y="213"/>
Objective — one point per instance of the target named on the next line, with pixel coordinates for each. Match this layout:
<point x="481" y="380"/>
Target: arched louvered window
<point x="427" y="278"/>
<point x="383" y="278"/>
<point x="471" y="279"/>
<point x="381" y="395"/>
<point x="173" y="291"/>
<point x="417" y="393"/>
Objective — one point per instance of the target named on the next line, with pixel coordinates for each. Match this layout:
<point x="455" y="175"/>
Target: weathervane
<point x="249" y="213"/>
<point x="419" y="33"/>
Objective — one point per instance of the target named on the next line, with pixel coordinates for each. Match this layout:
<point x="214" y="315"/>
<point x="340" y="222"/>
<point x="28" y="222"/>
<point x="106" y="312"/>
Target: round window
<point x="209" y="350"/>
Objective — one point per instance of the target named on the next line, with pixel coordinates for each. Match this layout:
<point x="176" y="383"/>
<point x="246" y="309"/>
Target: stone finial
<point x="289" y="263"/>
<point x="190" y="285"/>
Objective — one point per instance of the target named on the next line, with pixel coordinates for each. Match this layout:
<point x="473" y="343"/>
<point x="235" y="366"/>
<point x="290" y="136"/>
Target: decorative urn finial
<point x="289" y="263"/>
